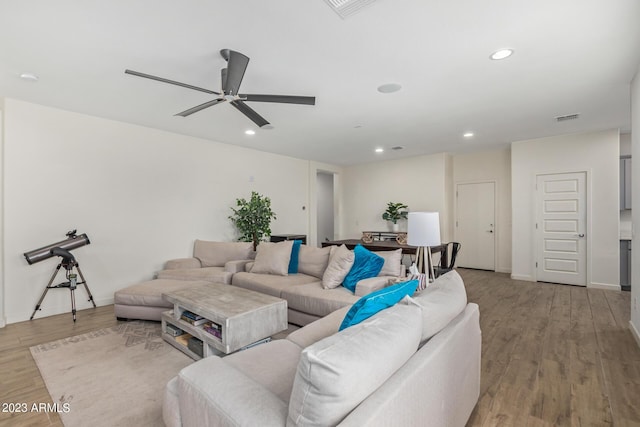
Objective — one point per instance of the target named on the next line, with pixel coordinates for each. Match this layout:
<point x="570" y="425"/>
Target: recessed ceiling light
<point x="30" y="77"/>
<point x="250" y="132"/>
<point x="501" y="54"/>
<point x="379" y="150"/>
<point x="468" y="134"/>
<point x="389" y="88"/>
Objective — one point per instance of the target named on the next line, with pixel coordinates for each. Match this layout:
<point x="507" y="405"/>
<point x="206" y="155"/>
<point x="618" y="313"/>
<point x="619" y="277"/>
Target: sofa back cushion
<point x="440" y="303"/>
<point x="337" y="373"/>
<point x="313" y="261"/>
<point x="392" y="263"/>
<point x="273" y="258"/>
<point x="216" y="254"/>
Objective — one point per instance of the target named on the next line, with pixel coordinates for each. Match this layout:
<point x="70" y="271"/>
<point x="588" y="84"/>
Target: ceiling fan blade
<point x="249" y="112"/>
<point x="285" y="99"/>
<point x="236" y="67"/>
<point x="200" y="107"/>
<point x="223" y="76"/>
<point x="173" y="82"/>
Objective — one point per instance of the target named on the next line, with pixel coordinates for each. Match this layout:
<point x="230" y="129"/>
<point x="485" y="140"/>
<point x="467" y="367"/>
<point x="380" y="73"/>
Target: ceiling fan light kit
<point x="231" y="78"/>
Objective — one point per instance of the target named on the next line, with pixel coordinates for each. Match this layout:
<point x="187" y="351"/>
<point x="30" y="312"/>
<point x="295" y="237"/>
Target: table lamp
<point x="423" y="231"/>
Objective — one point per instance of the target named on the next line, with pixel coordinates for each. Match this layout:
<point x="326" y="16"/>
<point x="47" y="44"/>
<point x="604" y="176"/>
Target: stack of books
<point x="183" y="339"/>
<point x="213" y="328"/>
<point x="193" y="318"/>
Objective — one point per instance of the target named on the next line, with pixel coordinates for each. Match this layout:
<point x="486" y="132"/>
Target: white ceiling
<point x="571" y="56"/>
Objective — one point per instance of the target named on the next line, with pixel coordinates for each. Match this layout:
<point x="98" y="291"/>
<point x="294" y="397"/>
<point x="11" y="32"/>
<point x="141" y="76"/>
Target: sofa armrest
<point x="215" y="392"/>
<point x="176" y="264"/>
<point x="236" y="266"/>
<point x="366" y="286"/>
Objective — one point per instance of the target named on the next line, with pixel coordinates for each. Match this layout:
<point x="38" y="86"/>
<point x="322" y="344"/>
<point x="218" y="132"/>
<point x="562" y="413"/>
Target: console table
<point x="390" y="245"/>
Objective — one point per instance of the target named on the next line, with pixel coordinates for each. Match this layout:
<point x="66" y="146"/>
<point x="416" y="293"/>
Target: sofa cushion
<point x="440" y="302"/>
<point x="337" y="373"/>
<point x="313" y="261"/>
<point x="210" y="274"/>
<point x="273" y="365"/>
<point x="377" y="301"/>
<point x="268" y="283"/>
<point x="392" y="263"/>
<point x="216" y="254"/>
<point x="366" y="264"/>
<point x="273" y="258"/>
<point x="295" y="257"/>
<point x="150" y="293"/>
<point x="340" y="262"/>
<point x="312" y="298"/>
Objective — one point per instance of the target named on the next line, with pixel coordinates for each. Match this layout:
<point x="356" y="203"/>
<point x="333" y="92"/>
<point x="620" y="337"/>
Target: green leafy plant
<point x="395" y="212"/>
<point x="253" y="218"/>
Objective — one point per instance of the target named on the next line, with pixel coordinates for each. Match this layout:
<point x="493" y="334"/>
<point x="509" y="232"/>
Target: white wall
<point x="326" y="206"/>
<point x="491" y="166"/>
<point x="419" y="182"/>
<point x="3" y="319"/>
<point x="635" y="249"/>
<point x="596" y="153"/>
<point x="142" y="195"/>
<point x="625" y="144"/>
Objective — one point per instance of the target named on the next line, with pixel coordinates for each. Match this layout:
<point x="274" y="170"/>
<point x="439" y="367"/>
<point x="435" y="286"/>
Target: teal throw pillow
<point x="293" y="261"/>
<point x="365" y="265"/>
<point x="377" y="301"/>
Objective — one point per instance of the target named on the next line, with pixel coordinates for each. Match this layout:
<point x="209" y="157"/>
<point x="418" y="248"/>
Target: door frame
<point x="536" y="219"/>
<point x="496" y="215"/>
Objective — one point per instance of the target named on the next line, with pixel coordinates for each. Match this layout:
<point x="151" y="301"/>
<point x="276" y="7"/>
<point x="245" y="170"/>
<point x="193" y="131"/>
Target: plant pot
<point x="394" y="227"/>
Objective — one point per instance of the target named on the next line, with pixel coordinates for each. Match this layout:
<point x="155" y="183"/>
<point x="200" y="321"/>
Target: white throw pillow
<point x="338" y="268"/>
<point x="273" y="258"/>
<point x="337" y="373"/>
<point x="392" y="263"/>
<point x="440" y="302"/>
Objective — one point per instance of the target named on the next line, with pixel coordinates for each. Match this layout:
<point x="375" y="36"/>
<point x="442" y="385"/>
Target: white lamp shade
<point x="423" y="229"/>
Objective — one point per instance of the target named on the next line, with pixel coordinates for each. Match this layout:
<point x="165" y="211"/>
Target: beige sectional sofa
<point x="414" y="364"/>
<point x="307" y="297"/>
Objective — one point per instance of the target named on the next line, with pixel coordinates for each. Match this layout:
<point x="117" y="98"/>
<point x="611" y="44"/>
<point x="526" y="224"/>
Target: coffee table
<point x="244" y="317"/>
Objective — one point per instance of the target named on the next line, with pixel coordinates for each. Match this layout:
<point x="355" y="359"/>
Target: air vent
<point x="346" y="8"/>
<point x="397" y="147"/>
<point x="567" y="117"/>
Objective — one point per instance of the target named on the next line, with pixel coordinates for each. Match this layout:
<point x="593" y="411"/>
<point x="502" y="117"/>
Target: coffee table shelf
<point x="245" y="317"/>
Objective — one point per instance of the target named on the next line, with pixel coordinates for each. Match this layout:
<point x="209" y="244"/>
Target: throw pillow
<point x="313" y="261"/>
<point x="377" y="301"/>
<point x="366" y="264"/>
<point x="293" y="262"/>
<point x="337" y="373"/>
<point x="339" y="265"/>
<point x="273" y="258"/>
<point x="392" y="263"/>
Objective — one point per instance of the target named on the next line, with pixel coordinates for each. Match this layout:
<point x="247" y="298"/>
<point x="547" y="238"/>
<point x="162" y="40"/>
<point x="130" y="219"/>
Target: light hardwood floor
<point x="552" y="356"/>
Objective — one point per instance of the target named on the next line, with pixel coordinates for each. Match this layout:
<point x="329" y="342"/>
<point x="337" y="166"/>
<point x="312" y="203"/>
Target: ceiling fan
<point x="231" y="78"/>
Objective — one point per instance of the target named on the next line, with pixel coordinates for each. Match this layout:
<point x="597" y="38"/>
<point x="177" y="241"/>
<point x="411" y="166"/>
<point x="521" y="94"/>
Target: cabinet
<point x="625" y="183"/>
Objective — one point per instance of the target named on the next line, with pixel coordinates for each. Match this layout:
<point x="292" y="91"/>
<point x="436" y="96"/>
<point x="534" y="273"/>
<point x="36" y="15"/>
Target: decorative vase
<point x="395" y="227"/>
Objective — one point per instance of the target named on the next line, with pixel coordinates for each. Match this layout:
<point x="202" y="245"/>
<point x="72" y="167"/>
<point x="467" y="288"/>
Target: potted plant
<point x="395" y="212"/>
<point x="253" y="218"/>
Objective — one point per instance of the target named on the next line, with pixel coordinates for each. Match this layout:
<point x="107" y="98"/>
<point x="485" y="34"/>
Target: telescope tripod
<point x="72" y="283"/>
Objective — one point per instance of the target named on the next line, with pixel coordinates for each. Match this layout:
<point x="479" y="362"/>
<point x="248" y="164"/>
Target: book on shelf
<point x="197" y="322"/>
<point x="183" y="339"/>
<point x="213" y="328"/>
<point x="191" y="315"/>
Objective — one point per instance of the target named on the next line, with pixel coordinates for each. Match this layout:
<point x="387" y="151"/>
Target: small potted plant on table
<point x="394" y="213"/>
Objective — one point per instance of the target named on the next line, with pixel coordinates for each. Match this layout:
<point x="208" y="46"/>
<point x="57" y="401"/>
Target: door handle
<point x="580" y="235"/>
<point x="489" y="231"/>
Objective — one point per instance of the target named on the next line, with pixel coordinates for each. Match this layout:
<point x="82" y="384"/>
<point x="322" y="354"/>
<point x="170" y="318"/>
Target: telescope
<point x="73" y="241"/>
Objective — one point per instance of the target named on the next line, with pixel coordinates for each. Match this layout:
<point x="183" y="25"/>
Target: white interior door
<point x="475" y="225"/>
<point x="561" y="228"/>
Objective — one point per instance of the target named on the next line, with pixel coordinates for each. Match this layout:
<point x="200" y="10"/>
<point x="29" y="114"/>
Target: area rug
<point x="113" y="377"/>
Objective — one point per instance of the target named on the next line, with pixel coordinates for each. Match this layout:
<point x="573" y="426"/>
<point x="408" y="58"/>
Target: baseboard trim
<point x="634" y="332"/>
<point x="526" y="278"/>
<point x="605" y="286"/>
<point x="503" y="270"/>
<point x="3" y="322"/>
